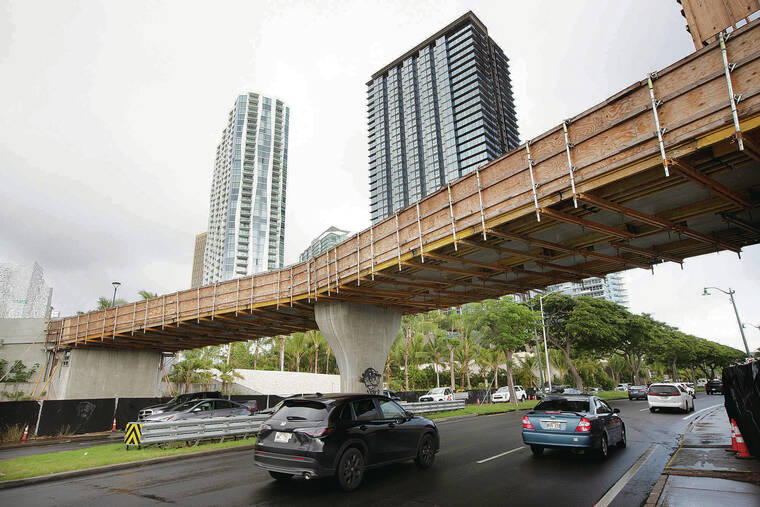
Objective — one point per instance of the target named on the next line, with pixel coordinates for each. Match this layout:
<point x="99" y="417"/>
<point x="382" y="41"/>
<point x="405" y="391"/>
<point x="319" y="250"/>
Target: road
<point x="463" y="473"/>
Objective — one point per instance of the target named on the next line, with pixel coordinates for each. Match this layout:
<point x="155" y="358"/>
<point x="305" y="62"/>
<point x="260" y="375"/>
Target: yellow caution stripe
<point x="133" y="434"/>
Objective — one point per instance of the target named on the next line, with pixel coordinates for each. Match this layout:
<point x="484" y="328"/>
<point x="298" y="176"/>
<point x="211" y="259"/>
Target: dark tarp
<point x="741" y="391"/>
<point x="19" y="413"/>
<point x="76" y="416"/>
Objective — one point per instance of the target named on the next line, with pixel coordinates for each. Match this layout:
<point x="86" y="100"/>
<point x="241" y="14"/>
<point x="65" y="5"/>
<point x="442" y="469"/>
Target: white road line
<point x="701" y="410"/>
<point x="620" y="484"/>
<point x="502" y="454"/>
<point x="643" y="409"/>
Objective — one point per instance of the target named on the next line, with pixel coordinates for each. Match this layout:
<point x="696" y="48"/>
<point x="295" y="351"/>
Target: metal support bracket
<point x="358" y="280"/>
<point x="727" y="68"/>
<point x="533" y="185"/>
<point x="372" y="251"/>
<point x="480" y="198"/>
<point x="337" y="274"/>
<point x="451" y="215"/>
<point x="660" y="131"/>
<point x="398" y="244"/>
<point x="570" y="166"/>
<point x="419" y="232"/>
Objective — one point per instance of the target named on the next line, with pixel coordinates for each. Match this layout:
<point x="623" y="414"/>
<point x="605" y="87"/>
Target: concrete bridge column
<point x="360" y="337"/>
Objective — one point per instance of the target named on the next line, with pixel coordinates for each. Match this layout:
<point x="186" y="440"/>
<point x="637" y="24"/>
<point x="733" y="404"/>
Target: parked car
<point x="342" y="435"/>
<point x="701" y="382"/>
<point x="572" y="390"/>
<point x="201" y="409"/>
<point x="637" y="393"/>
<point x="621" y="387"/>
<point x="177" y="400"/>
<point x="689" y="388"/>
<point x="672" y="395"/>
<point x="714" y="386"/>
<point x="438" y="394"/>
<point x="580" y="422"/>
<point x="501" y="395"/>
<point x="391" y="394"/>
<point x="595" y="390"/>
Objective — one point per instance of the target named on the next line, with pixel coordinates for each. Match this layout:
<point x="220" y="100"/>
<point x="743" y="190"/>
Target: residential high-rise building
<point x="323" y="243"/>
<point x="246" y="224"/>
<point x="196" y="279"/>
<point x="436" y="113"/>
<point x="23" y="292"/>
<point x="611" y="287"/>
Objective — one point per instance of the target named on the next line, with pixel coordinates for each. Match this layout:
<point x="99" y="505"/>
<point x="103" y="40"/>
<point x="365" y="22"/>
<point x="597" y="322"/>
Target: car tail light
<point x="527" y="425"/>
<point x="584" y="425"/>
<point x="314" y="432"/>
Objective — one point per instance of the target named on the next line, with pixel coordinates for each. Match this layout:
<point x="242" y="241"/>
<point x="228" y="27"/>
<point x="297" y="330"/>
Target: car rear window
<point x="301" y="410"/>
<point x="663" y="390"/>
<point x="563" y="404"/>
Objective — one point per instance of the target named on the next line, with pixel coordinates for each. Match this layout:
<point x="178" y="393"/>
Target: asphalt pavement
<point x="482" y="461"/>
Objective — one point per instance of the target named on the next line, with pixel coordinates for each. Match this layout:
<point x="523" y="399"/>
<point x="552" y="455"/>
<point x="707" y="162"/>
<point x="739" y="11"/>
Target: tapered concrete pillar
<point x="360" y="337"/>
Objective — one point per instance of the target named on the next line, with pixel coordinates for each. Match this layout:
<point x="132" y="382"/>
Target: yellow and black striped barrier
<point x="133" y="434"/>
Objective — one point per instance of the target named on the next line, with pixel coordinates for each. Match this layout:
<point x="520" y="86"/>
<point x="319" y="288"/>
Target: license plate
<point x="281" y="437"/>
<point x="552" y="425"/>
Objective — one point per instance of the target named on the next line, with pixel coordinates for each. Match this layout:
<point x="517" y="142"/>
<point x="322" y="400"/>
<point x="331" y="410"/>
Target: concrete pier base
<point x="360" y="337"/>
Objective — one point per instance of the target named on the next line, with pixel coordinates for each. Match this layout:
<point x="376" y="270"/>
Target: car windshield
<point x="663" y="390"/>
<point x="564" y="404"/>
<point x="301" y="410"/>
<point x="437" y="390"/>
<point x="503" y="390"/>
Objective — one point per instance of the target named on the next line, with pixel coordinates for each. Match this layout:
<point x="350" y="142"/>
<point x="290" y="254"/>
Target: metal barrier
<point x="433" y="406"/>
<point x="162" y="432"/>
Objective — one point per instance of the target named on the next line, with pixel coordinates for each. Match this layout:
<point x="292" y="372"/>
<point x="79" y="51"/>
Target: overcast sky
<point x="110" y="114"/>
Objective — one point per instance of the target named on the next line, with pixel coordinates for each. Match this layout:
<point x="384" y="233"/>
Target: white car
<point x="502" y="394"/>
<point x="664" y="395"/>
<point x="689" y="389"/>
<point x="622" y="387"/>
<point x="438" y="394"/>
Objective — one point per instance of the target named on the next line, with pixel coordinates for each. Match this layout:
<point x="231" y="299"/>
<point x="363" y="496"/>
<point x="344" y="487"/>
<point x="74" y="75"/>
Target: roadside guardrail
<point x="164" y="432"/>
<point x="432" y="406"/>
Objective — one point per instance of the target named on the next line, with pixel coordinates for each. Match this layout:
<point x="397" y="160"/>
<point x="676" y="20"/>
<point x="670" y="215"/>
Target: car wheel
<point x="350" y="470"/>
<point x="692" y="407"/>
<point x="604" y="449"/>
<point x="279" y="476"/>
<point x="623" y="440"/>
<point x="537" y="450"/>
<point x="426" y="452"/>
<point x="652" y="409"/>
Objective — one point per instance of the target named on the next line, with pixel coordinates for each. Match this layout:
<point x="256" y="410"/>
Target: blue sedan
<point x="575" y="421"/>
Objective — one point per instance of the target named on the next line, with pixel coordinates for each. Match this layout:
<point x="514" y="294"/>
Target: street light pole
<point x="731" y="293"/>
<point x="546" y="348"/>
<point x="115" y="286"/>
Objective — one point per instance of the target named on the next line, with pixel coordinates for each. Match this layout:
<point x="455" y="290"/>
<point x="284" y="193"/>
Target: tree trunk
<point x="675" y="369"/>
<point x="316" y="357"/>
<point x="281" y="339"/>
<point x="388" y="370"/>
<point x="406" y="360"/>
<point x="256" y="355"/>
<point x="510" y="380"/>
<point x="496" y="375"/>
<point x="327" y="361"/>
<point x="467" y="364"/>
<point x="437" y="375"/>
<point x="573" y="371"/>
<point x="451" y="368"/>
<point x="298" y="362"/>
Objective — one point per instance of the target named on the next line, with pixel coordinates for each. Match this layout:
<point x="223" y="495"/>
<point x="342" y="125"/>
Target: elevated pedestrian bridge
<point x="664" y="170"/>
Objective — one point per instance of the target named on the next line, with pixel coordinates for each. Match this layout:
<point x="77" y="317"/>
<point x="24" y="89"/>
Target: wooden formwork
<point x="610" y="144"/>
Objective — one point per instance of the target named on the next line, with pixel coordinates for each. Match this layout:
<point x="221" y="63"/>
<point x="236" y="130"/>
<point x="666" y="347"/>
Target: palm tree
<point x="104" y="303"/>
<point x="147" y="295"/>
<point x="296" y="347"/>
<point x="315" y="338"/>
<point x="526" y="370"/>
<point x="488" y="359"/>
<point x="558" y="363"/>
<point x="433" y="352"/>
<point x="227" y="374"/>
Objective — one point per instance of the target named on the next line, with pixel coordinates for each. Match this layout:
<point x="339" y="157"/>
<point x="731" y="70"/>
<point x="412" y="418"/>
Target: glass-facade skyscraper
<point x="246" y="224"/>
<point x="436" y="113"/>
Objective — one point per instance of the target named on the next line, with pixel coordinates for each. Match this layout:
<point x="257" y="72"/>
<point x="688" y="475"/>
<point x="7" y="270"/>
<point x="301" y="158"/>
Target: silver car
<point x="201" y="409"/>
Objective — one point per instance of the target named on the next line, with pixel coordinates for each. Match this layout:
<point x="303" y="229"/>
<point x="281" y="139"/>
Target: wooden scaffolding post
<point x="727" y="69"/>
<point x="451" y="216"/>
<point x="570" y="166"/>
<point x="533" y="185"/>
<point x="660" y="130"/>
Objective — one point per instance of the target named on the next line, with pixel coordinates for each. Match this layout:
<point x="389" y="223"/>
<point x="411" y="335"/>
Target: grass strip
<point x="99" y="455"/>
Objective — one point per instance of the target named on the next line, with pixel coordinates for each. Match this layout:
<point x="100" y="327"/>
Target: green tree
<point x="227" y="374"/>
<point x="147" y="295"/>
<point x="507" y="326"/>
<point x="639" y="337"/>
<point x="104" y="303"/>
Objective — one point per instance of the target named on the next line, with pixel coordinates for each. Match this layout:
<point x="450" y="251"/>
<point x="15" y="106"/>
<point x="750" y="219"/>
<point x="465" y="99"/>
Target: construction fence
<point x="741" y="391"/>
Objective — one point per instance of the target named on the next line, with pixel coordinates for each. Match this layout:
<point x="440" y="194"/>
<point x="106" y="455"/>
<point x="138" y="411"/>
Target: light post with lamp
<point x="115" y="286"/>
<point x="546" y="348"/>
<point x="730" y="294"/>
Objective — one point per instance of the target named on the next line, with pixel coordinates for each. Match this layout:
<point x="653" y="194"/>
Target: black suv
<point x="341" y="435"/>
<point x="714" y="386"/>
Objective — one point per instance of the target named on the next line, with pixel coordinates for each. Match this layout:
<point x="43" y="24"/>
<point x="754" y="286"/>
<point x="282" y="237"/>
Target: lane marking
<point x="620" y="484"/>
<point x="502" y="454"/>
<point x="701" y="410"/>
<point x="643" y="409"/>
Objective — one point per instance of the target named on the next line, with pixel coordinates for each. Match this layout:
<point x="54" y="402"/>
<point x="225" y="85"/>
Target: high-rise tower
<point x="436" y="113"/>
<point x="246" y="224"/>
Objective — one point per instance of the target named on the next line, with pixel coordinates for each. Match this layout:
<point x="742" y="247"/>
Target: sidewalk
<point x="703" y="471"/>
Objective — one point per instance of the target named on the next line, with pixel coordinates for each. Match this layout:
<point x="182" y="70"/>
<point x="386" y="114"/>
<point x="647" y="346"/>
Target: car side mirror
<point x="616" y="410"/>
<point x="408" y="415"/>
<point x="197" y="409"/>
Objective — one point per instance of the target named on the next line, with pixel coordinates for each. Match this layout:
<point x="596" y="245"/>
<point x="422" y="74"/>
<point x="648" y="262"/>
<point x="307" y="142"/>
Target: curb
<point x="117" y="466"/>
